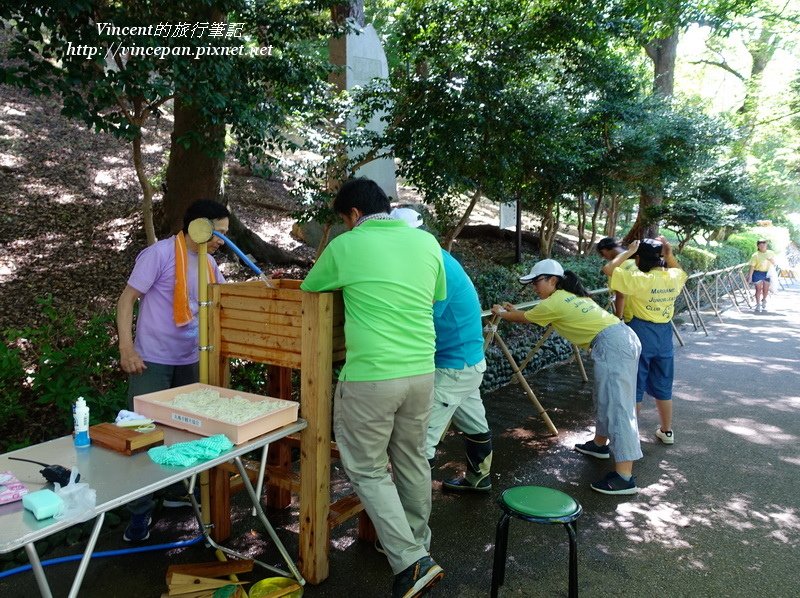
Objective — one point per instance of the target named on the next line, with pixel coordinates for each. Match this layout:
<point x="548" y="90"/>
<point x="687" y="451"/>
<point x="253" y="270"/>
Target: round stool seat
<point x="540" y="503"/>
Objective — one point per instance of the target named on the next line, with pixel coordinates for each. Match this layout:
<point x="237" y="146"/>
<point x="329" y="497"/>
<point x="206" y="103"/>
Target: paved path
<point x="717" y="514"/>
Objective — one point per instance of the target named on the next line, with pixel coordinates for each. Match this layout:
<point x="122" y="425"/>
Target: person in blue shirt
<point x="460" y="365"/>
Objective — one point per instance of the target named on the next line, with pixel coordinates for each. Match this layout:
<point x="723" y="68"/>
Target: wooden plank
<point x="261" y="339"/>
<point x="260" y="355"/>
<point x="289" y="283"/>
<point x="212" y="568"/>
<point x="280" y="455"/>
<point x="286" y="308"/>
<point x="259" y="290"/>
<point x="343" y="509"/>
<point x="177" y="580"/>
<point x="217" y="362"/>
<point x="261" y="317"/>
<point x="316" y="371"/>
<point x="220" y="506"/>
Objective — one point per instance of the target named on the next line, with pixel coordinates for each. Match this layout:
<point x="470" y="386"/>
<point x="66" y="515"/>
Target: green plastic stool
<point x="539" y="505"/>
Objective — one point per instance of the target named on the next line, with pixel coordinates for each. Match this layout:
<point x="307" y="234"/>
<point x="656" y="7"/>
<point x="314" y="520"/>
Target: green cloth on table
<point x="189" y="453"/>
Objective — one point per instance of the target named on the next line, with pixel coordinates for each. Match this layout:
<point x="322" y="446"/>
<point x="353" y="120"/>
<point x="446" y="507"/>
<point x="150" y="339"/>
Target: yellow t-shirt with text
<point x="651" y="295"/>
<point x="577" y="319"/>
<point x="760" y="260"/>
<point x="627" y="310"/>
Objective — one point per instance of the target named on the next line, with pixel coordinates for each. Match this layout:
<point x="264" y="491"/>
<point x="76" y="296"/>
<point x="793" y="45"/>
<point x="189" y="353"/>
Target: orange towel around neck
<point x="181" y="313"/>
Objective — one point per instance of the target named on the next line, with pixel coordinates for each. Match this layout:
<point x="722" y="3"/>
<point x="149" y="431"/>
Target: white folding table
<point x="117" y="479"/>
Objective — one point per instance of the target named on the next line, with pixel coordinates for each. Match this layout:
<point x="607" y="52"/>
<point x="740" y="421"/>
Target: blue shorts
<point x="759" y="276"/>
<point x="657" y="361"/>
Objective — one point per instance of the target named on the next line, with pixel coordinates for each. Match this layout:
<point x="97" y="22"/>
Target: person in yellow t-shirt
<point x="760" y="263"/>
<point x="651" y="292"/>
<point x="608" y="248"/>
<point x="615" y="351"/>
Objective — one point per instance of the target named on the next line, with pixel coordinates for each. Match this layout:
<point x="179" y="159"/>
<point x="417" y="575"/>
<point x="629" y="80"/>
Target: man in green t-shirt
<point x="390" y="275"/>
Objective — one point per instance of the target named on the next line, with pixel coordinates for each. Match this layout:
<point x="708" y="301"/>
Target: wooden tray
<point x="124" y="440"/>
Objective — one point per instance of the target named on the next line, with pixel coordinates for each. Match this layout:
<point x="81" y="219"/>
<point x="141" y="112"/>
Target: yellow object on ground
<point x="271" y="588"/>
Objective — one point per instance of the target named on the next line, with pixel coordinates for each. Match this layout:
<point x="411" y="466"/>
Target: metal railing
<point x="702" y="290"/>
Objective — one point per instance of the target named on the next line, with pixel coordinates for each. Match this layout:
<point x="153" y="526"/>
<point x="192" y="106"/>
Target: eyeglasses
<point x="540" y="278"/>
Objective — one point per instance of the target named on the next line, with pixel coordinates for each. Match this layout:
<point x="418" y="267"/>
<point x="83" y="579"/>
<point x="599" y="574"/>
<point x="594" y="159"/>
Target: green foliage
<point x="695" y="259"/>
<point x="249" y="376"/>
<point x="728" y="255"/>
<point x="499" y="101"/>
<point x="12" y="377"/>
<point x="499" y="284"/>
<point x="64" y="359"/>
<point x="260" y="77"/>
<point x="745" y="242"/>
<point x="588" y="269"/>
<point x="708" y="199"/>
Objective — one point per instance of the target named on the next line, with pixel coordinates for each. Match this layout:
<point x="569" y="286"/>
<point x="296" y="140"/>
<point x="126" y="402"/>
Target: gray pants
<point x="615" y="352"/>
<point x="381" y="422"/>
<point x="157" y="377"/>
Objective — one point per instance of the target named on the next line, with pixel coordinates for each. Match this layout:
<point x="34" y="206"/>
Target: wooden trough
<point x="290" y="330"/>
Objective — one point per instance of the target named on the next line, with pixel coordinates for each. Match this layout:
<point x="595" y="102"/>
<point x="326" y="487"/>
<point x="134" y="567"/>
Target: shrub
<point x="62" y="360"/>
<point x="12" y="376"/>
<point x="744" y="242"/>
<point x="696" y="259"/>
<point x="589" y="269"/>
<point x="499" y="284"/>
<point x="729" y="255"/>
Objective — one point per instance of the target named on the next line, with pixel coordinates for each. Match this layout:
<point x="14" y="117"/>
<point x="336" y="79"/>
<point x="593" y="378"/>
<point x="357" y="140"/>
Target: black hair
<point x="606" y="243"/>
<point x="204" y="208"/>
<point x="649" y="254"/>
<point x="363" y="194"/>
<point x="572" y="284"/>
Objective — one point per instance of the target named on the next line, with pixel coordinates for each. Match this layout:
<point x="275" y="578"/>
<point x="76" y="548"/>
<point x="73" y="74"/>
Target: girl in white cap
<point x="615" y="352"/>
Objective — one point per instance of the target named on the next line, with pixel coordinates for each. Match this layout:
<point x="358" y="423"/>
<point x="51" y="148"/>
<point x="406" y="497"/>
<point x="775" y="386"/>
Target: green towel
<point x="189" y="453"/>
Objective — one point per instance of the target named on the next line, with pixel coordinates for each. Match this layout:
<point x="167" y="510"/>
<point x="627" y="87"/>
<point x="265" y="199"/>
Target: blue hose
<point x="238" y="252"/>
<point x="121" y="551"/>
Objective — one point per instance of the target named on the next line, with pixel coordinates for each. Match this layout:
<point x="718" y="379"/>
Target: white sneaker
<point x="763" y="306"/>
<point x="757" y="309"/>
<point x="665" y="437"/>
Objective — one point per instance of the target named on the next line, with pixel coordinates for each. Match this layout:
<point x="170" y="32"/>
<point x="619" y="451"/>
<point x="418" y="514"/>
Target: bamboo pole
<point x="525" y="385"/>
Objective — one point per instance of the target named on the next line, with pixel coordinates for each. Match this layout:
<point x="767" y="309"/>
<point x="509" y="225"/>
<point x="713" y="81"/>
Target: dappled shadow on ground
<point x="70" y="208"/>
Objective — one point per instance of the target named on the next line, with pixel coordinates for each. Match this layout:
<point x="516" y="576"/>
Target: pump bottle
<point x="80" y="412"/>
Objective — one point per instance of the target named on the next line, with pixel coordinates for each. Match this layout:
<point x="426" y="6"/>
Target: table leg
<point x="87" y="556"/>
<point x="257" y="505"/>
<point x="38" y="572"/>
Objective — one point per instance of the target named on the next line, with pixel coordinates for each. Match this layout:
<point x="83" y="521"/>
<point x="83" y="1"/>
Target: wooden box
<point x="254" y="322"/>
<point x="153" y="405"/>
<point x="124" y="440"/>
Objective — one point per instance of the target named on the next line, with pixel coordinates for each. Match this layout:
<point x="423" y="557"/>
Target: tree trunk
<point x="663" y="52"/>
<point x="644" y="228"/>
<point x="447" y="242"/>
<point x="598" y="206"/>
<point x="195" y="167"/>
<point x="583" y="245"/>
<point x="262" y="252"/>
<point x="612" y="216"/>
<point x="761" y="51"/>
<point x="547" y="231"/>
<point x="147" y="190"/>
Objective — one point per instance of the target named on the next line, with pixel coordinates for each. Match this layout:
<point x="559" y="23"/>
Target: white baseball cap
<point x="411" y="217"/>
<point x="549" y="267"/>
